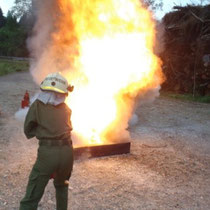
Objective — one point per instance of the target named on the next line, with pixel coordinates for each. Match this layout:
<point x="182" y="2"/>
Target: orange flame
<point x="109" y="45"/>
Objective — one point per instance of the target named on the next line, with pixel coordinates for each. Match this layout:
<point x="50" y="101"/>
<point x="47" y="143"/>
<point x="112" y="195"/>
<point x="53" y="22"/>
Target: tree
<point x="12" y="38"/>
<point x="2" y="19"/>
<point x="23" y="10"/>
<point x="22" y="7"/>
<point x="153" y="4"/>
<point x="202" y="2"/>
<point x="27" y="22"/>
<point x="11" y="21"/>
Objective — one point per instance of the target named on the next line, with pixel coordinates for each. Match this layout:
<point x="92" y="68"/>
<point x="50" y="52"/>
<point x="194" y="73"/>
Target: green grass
<point x="11" y="66"/>
<point x="187" y="97"/>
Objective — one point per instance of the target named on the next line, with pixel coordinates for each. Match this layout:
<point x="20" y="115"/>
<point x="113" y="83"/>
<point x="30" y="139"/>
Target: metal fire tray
<point x="101" y="150"/>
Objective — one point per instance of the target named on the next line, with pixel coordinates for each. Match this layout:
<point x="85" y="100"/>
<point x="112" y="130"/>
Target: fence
<point x="15" y="58"/>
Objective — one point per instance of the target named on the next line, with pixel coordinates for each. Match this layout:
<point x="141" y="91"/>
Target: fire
<point x="107" y="49"/>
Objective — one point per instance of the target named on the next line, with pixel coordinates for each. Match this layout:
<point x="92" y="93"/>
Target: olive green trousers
<point x="56" y="160"/>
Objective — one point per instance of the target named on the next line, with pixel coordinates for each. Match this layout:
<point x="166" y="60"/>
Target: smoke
<point x="21" y="114"/>
<point x="51" y="52"/>
<point x="145" y="97"/>
<point x="54" y="47"/>
<point x="40" y="44"/>
<point x="159" y="43"/>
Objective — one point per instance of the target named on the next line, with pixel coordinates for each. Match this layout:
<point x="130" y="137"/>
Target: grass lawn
<point x="186" y="97"/>
<point x="11" y="66"/>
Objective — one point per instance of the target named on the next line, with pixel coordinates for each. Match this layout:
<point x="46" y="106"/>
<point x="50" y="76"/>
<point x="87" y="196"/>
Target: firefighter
<point x="48" y="119"/>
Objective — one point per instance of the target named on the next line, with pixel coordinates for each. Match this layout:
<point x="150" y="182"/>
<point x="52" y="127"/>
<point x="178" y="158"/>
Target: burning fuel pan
<point x="101" y="150"/>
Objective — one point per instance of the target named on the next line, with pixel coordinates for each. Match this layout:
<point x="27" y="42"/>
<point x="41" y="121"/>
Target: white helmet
<point x="57" y="83"/>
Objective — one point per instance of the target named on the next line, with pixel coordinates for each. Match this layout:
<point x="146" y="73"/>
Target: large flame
<point x="106" y="47"/>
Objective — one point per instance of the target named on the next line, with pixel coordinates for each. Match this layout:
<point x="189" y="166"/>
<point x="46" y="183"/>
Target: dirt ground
<point x="168" y="168"/>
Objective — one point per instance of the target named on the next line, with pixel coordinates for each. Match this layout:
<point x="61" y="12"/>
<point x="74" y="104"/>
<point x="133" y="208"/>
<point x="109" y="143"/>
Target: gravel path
<point x="168" y="168"/>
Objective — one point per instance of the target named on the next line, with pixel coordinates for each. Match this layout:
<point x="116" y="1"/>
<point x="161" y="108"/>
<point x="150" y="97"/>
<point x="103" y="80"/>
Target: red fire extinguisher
<point x="26" y="100"/>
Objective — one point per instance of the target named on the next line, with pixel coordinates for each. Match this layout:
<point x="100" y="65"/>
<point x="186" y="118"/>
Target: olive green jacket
<point x="45" y="121"/>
